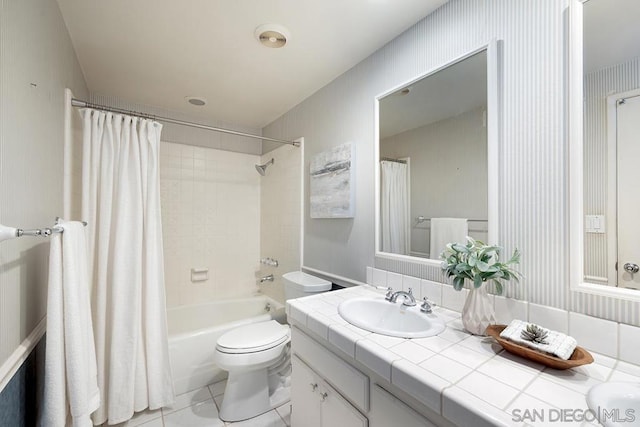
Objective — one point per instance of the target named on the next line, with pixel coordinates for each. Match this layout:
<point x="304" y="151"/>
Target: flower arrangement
<point x="479" y="263"/>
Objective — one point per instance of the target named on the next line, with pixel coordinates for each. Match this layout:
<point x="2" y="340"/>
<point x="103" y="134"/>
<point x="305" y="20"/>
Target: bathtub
<point x="194" y="330"/>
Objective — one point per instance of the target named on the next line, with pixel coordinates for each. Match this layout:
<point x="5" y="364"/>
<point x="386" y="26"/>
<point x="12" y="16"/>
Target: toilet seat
<point x="253" y="338"/>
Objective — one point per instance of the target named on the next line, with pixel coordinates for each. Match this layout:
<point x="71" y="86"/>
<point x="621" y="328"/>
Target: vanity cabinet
<point x="316" y="404"/>
<point x="328" y="391"/>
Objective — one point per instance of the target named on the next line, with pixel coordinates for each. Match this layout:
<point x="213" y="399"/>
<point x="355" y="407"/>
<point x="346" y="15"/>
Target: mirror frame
<point x="576" y="163"/>
<point x="494" y="134"/>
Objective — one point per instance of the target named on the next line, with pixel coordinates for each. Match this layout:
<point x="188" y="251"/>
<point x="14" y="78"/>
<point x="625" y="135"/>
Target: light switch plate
<point x="594" y="224"/>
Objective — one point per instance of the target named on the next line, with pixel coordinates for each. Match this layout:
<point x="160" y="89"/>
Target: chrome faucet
<point x="409" y="299"/>
<point x="268" y="278"/>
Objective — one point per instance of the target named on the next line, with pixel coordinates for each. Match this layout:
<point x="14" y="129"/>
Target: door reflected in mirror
<point x="433" y="168"/>
<point x="611" y="150"/>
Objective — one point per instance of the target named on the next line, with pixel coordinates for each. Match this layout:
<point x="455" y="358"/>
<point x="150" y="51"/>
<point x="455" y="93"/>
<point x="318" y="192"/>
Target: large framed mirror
<point x="605" y="153"/>
<point x="437" y="167"/>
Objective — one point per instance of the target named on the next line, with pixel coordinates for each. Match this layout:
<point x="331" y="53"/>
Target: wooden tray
<point x="579" y="357"/>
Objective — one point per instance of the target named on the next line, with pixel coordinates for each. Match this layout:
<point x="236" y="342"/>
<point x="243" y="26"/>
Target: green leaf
<point x="458" y="283"/>
<point x="498" y="287"/>
<point x="482" y="266"/>
<point x="472" y="260"/>
<point x="477" y="281"/>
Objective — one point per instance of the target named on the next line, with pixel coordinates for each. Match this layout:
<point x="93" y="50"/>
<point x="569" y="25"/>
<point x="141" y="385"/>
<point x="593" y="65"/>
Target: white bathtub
<point x="194" y="330"/>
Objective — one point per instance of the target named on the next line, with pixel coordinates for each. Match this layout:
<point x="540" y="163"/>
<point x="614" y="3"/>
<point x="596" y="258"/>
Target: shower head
<point x="263" y="168"/>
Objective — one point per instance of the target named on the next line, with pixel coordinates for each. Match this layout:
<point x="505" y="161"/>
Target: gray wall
<point x="37" y="62"/>
<point x="534" y="163"/>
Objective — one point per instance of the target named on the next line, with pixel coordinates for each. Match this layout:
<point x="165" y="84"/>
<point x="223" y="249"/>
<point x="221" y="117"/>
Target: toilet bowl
<point x="257" y="358"/>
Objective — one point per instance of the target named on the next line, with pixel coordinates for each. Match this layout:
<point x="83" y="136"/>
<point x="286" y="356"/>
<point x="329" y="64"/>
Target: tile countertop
<point x="469" y="380"/>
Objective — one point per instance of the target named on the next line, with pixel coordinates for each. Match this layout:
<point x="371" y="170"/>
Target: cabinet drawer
<point x="388" y="410"/>
<point x="350" y="382"/>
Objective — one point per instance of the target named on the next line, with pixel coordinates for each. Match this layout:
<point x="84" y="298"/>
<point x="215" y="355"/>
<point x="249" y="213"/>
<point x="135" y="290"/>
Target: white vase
<point x="478" y="311"/>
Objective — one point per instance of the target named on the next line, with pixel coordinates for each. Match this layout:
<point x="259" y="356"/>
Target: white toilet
<point x="258" y="360"/>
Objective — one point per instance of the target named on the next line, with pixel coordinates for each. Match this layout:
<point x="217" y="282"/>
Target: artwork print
<point x="332" y="183"/>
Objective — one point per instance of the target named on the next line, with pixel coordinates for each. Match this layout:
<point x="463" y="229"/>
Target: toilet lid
<point x="253" y="337"/>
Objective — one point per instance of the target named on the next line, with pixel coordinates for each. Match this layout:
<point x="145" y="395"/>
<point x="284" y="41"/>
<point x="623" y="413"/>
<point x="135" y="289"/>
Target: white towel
<point x="70" y="378"/>
<point x="444" y="231"/>
<point x="558" y="344"/>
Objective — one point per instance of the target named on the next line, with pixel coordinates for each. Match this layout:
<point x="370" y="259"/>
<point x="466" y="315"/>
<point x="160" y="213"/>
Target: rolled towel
<point x="556" y="343"/>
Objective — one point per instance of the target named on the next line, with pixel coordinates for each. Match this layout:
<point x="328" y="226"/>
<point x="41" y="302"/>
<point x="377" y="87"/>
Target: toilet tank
<point x="299" y="284"/>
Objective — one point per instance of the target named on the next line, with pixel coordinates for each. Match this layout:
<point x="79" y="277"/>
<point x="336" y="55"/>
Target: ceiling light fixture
<point x="272" y="35"/>
<point x="195" y="100"/>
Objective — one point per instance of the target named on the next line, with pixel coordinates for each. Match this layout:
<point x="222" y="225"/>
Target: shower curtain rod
<point x="84" y="104"/>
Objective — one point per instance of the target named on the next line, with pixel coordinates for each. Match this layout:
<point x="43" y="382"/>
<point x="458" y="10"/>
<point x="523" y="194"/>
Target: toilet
<point x="258" y="360"/>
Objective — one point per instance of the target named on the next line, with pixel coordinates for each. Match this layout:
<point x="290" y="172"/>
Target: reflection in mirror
<point x="611" y="148"/>
<point x="433" y="161"/>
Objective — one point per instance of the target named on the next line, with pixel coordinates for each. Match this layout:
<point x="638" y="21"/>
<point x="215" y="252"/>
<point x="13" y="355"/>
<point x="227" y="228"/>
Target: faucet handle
<point x="389" y="294"/>
<point x="427" y="306"/>
<point x="410" y="291"/>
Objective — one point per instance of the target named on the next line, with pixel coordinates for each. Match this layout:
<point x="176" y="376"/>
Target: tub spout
<point x="268" y="278"/>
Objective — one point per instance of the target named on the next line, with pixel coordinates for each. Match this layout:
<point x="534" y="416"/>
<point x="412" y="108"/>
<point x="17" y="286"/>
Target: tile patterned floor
<point x="199" y="408"/>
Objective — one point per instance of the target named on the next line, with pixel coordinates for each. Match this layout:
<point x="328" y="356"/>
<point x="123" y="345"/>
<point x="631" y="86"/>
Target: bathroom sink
<point x="383" y="317"/>
<point x="615" y="403"/>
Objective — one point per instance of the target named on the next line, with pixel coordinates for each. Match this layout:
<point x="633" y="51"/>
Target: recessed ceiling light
<point x="196" y="100"/>
<point x="272" y="35"/>
<point x="402" y="92"/>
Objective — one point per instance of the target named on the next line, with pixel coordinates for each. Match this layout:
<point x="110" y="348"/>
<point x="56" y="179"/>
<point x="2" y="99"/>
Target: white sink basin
<point x="616" y="404"/>
<point x="383" y="317"/>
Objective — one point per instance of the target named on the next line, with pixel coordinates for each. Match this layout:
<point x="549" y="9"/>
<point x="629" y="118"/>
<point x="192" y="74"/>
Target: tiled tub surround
<point x="466" y="379"/>
<point x="280" y="216"/>
<point x="210" y="219"/>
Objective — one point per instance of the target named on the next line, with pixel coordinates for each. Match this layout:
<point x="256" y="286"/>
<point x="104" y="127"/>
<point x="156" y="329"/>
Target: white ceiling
<point x="157" y="52"/>
<point x="611" y="32"/>
<point x="459" y="88"/>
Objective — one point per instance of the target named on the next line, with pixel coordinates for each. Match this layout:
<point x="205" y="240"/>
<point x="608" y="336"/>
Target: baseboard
<point x="17" y="358"/>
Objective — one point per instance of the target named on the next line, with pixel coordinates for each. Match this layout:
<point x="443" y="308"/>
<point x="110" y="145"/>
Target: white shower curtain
<point x="121" y="203"/>
<point x="394" y="207"/>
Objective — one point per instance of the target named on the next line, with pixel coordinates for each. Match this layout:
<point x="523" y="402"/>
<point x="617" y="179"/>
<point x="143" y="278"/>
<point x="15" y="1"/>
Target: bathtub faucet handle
<point x="269" y="261"/>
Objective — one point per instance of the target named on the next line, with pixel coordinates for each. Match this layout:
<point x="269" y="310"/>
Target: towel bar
<point x="7" y="232"/>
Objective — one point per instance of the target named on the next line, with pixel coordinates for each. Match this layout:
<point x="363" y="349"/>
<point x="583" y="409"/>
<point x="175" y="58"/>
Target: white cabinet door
<point x="387" y="410"/>
<point x="344" y="377"/>
<point x="314" y="403"/>
<point x="305" y="395"/>
<point x="336" y="411"/>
